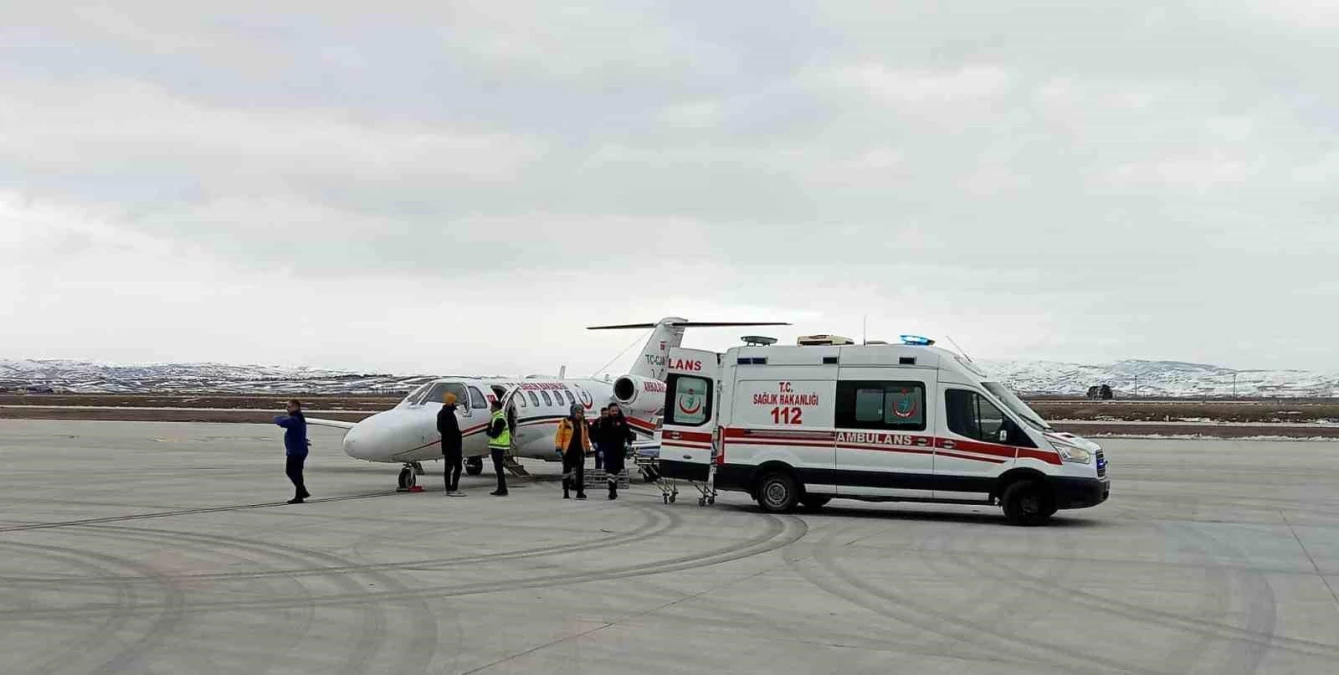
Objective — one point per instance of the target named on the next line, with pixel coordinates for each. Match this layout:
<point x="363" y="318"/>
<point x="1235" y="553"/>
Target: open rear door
<point x="688" y="436"/>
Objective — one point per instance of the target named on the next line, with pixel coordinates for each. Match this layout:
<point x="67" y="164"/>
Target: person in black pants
<point x="614" y="435"/>
<point x="499" y="442"/>
<point x="295" y="448"/>
<point x="573" y="441"/>
<point x="452" y="451"/>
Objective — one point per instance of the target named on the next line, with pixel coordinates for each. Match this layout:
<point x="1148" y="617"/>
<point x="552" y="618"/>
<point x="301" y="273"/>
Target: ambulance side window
<point x="971" y="415"/>
<point x="690" y="400"/>
<point x="898" y="406"/>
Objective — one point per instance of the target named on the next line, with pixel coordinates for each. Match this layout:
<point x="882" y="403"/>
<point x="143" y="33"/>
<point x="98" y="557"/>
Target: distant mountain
<point x="1160" y="378"/>
<point x="84" y="377"/>
<point x="1148" y="378"/>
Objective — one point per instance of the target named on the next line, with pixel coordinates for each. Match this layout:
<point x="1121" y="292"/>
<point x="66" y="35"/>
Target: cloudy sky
<point x="462" y="186"/>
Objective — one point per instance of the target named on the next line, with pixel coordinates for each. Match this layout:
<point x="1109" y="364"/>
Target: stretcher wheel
<point x="665" y="497"/>
<point x="672" y="498"/>
<point x="701" y="501"/>
<point x="711" y="500"/>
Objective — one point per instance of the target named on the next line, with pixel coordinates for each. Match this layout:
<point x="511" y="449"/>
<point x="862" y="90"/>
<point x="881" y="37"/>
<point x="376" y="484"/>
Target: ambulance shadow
<point x="906" y="513"/>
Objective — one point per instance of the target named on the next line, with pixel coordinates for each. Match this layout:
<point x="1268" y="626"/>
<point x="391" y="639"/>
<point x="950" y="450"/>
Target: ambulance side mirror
<point x="1004" y="435"/>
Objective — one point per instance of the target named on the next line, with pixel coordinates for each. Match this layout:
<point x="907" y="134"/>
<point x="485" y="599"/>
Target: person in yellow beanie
<point x="449" y="427"/>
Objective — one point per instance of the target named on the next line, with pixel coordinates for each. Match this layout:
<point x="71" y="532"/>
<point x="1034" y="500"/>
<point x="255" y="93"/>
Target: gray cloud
<point x="1084" y="182"/>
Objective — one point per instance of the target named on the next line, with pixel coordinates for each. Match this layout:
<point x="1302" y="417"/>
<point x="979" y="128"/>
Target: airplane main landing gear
<point x="409" y="477"/>
<point x="474" y="466"/>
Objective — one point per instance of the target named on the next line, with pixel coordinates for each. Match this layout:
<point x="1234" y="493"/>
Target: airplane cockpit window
<point x="435" y="392"/>
<point x="547" y="400"/>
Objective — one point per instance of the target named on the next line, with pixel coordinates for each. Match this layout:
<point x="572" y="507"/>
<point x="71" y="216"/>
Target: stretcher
<point x="705" y="485"/>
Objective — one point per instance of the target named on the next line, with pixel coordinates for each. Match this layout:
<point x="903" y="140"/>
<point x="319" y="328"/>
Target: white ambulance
<point x="802" y="425"/>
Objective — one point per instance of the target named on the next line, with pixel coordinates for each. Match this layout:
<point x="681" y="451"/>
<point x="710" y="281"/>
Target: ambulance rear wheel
<point x="778" y="493"/>
<point x="474" y="466"/>
<point x="1028" y="503"/>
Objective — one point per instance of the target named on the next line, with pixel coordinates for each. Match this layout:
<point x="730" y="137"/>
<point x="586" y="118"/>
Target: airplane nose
<point x="358" y="442"/>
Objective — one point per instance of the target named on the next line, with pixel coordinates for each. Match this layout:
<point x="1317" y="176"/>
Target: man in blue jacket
<point x="295" y="447"/>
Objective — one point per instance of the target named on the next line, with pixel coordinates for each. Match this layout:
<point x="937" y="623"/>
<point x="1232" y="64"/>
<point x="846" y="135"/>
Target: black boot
<point x="613" y="490"/>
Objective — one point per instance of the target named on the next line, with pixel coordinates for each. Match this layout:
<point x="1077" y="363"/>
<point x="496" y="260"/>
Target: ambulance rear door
<point x="691" y="409"/>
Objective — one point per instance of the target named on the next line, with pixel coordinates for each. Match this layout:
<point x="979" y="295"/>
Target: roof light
<point x="916" y="340"/>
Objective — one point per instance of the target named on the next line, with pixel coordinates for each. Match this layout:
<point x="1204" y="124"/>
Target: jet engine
<point x="641" y="393"/>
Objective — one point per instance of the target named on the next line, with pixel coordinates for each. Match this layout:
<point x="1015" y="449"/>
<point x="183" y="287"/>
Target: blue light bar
<point x="916" y="340"/>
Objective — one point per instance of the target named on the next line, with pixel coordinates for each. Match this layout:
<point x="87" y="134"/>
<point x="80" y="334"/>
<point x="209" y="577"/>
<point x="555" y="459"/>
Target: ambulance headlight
<point x="1074" y="454"/>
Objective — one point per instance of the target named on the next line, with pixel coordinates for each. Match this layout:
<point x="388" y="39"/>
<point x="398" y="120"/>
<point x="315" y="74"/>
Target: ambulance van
<point x="801" y="425"/>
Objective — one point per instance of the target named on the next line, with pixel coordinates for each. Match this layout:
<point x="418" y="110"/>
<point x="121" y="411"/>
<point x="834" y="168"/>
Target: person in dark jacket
<point x="499" y="443"/>
<point x="615" y="434"/>
<point x="449" y="427"/>
<point x="595" y="425"/>
<point x="295" y="448"/>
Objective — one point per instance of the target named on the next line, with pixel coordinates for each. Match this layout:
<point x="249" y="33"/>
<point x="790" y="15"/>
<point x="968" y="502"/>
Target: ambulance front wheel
<point x="778" y="493"/>
<point x="1028" y="503"/>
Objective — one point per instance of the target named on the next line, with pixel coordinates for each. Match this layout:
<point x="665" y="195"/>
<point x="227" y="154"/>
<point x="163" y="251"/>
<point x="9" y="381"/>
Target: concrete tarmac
<point x="166" y="548"/>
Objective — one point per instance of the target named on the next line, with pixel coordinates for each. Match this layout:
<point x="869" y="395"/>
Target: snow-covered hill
<point x="84" y="377"/>
<point x="1160" y="379"/>
<point x="1127" y="378"/>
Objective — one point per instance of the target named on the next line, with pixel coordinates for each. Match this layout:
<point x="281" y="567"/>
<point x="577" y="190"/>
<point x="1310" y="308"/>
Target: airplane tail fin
<point x="667" y="334"/>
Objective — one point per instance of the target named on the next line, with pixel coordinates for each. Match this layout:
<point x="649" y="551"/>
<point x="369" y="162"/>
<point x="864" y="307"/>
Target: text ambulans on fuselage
<point x="407" y="434"/>
<point x="801" y="425"/>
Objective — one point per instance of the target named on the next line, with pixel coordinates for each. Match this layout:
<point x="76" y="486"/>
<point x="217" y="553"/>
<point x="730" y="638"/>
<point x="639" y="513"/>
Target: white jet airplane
<point x="407" y="434"/>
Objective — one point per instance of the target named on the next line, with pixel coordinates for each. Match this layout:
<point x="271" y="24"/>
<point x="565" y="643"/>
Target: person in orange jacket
<point x="573" y="441"/>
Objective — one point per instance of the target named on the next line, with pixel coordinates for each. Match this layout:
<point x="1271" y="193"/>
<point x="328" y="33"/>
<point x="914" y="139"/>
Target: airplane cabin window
<point x="533" y="399"/>
<point x="570" y="400"/>
<point x="477" y="400"/>
<point x="547" y="401"/>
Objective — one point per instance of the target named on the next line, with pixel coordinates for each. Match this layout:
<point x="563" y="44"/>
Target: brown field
<point x="1195" y="418"/>
<point x="1263" y="412"/>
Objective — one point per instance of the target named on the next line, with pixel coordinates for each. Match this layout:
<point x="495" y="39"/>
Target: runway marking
<point x="1311" y="558"/>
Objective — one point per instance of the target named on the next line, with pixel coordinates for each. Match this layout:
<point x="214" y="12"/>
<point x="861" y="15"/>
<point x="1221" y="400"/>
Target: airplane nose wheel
<point x="408" y="478"/>
<point x="474" y="466"/>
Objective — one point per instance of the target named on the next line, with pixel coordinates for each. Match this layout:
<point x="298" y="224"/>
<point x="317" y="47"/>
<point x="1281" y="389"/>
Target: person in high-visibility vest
<point x="499" y="443"/>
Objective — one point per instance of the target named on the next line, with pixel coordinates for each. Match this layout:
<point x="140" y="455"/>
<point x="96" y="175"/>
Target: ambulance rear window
<point x="691" y="400"/>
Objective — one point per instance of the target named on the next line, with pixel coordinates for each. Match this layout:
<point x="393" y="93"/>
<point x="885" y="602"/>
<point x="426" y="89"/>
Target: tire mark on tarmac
<point x="780" y="531"/>
<point x="181" y="512"/>
<point x="656" y="522"/>
<point x="79" y="647"/>
<point x="932" y="618"/>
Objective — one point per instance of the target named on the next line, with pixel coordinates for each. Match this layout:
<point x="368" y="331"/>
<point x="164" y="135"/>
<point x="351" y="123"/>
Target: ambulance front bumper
<point x="1080" y="493"/>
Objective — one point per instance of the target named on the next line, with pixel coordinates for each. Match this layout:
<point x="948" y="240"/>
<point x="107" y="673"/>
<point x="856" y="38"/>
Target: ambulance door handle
<point x="949" y="445"/>
<point x="922" y="441"/>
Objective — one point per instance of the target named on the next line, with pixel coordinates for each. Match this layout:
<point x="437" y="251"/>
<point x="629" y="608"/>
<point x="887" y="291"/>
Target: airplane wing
<point x="312" y="421"/>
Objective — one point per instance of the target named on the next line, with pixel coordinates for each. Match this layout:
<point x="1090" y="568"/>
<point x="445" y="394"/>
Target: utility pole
<point x="1234" y="386"/>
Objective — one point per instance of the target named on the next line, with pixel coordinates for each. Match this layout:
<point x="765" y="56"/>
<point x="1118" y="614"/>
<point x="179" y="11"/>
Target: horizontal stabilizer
<point x="689" y="324"/>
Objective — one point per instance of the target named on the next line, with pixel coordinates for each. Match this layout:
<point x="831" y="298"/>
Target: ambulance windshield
<point x="1016" y="405"/>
